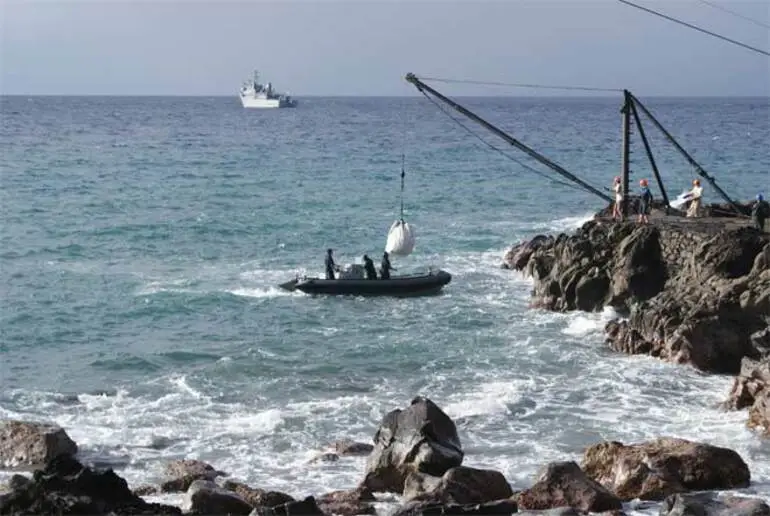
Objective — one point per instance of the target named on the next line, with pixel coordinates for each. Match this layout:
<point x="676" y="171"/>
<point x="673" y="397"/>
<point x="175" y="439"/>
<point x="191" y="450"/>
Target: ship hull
<point x="258" y="103"/>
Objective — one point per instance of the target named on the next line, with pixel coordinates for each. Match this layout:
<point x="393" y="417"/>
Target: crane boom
<point x="422" y="87"/>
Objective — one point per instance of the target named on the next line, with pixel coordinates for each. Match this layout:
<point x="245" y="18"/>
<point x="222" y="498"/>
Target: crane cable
<point x="505" y="154"/>
<point x="520" y="85"/>
<point x="739" y="15"/>
<point x="758" y="50"/>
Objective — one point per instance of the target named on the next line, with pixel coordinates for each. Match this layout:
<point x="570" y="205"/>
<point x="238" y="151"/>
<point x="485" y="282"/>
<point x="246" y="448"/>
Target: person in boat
<point x="385" y="266"/>
<point x="371" y="273"/>
<point x="330" y="265"/>
<point x="695" y="194"/>
<point x="617" y="208"/>
<point x="645" y="202"/>
<point x="760" y="212"/>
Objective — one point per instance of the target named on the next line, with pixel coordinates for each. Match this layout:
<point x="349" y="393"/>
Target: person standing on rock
<point x="695" y="194"/>
<point x="645" y="203"/>
<point x="760" y="212"/>
<point x="617" y="209"/>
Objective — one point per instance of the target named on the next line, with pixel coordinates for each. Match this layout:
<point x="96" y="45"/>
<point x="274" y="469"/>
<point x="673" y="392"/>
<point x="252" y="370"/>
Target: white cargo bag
<point x="401" y="239"/>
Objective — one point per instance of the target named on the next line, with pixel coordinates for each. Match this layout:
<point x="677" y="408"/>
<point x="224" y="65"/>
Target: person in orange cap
<point x="695" y="194"/>
<point x="645" y="202"/>
<point x="617" y="208"/>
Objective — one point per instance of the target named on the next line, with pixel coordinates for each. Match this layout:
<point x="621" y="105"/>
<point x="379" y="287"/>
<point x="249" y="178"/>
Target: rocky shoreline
<point x="689" y="291"/>
<point x="416" y="454"/>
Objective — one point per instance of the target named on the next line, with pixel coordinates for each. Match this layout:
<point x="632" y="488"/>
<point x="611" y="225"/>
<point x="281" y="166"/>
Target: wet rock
<point x="419" y="438"/>
<point x="352" y="448"/>
<point x="257" y="497"/>
<point x="498" y="507"/>
<point x="65" y="486"/>
<point x="759" y="414"/>
<point x="564" y="484"/>
<point x="182" y="473"/>
<point x="517" y="256"/>
<point x="204" y="497"/>
<point x="709" y="504"/>
<point x="28" y="443"/>
<point x="306" y="507"/>
<point x="145" y="490"/>
<point x="751" y="388"/>
<point x="659" y="468"/>
<point x="460" y="485"/>
<point x="348" y="503"/>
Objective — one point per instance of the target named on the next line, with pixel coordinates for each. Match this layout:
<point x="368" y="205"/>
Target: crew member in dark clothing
<point x="371" y="273"/>
<point x="385" y="267"/>
<point x="760" y="212"/>
<point x="330" y="265"/>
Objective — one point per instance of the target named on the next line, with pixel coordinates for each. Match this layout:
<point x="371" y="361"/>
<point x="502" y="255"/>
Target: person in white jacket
<point x="695" y="194"/>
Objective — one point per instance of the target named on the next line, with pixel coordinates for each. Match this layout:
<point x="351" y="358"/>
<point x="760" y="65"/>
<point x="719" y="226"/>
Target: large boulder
<point x="460" y="485"/>
<point x="255" y="496"/>
<point x="180" y="474"/>
<point x="564" y="484"/>
<point x="65" y="486"/>
<point x="420" y="438"/>
<point x="206" y="497"/>
<point x="28" y="443"/>
<point x="665" y="466"/>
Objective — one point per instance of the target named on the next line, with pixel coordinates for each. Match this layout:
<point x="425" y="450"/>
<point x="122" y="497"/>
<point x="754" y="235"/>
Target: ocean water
<point x="143" y="240"/>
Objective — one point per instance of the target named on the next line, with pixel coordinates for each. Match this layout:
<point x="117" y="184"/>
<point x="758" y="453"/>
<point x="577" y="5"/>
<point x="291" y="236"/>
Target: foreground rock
<point x="420" y="438"/>
<point x="206" y="497"/>
<point x="564" y="484"/>
<point x="26" y="443"/>
<point x="182" y="473"/>
<point x="257" y="497"/>
<point x="500" y="507"/>
<point x="460" y="485"/>
<point x="695" y="292"/>
<point x="665" y="466"/>
<point x="65" y="486"/>
<point x="708" y="504"/>
<point x="751" y="388"/>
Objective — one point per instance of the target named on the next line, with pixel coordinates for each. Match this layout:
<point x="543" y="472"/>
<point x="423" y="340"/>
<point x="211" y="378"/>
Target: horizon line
<point x="296" y="96"/>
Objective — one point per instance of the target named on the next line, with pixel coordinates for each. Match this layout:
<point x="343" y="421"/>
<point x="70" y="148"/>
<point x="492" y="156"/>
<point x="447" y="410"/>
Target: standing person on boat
<point x="645" y="202"/>
<point x="330" y="265"/>
<point x="617" y="209"/>
<point x="760" y="212"/>
<point x="695" y="194"/>
<point x="386" y="267"/>
<point x="371" y="273"/>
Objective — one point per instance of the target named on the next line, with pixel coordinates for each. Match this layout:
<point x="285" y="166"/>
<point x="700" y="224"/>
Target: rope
<point x="758" y="50"/>
<point x="520" y="85"/>
<point x="505" y="154"/>
<point x="739" y="15"/>
<point x="403" y="157"/>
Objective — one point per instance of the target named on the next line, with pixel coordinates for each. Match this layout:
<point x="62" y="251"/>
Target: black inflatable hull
<point x="397" y="286"/>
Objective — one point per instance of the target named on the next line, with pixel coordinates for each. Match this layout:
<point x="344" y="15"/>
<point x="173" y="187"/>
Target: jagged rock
<point x="28" y="443"/>
<point x="759" y="413"/>
<point x="348" y="503"/>
<point x="347" y="447"/>
<point x="460" y="485"/>
<point x="517" y="256"/>
<point x="659" y="468"/>
<point x="753" y="379"/>
<point x="497" y="507"/>
<point x="182" y="473"/>
<point x="419" y="438"/>
<point x="708" y="504"/>
<point x="564" y="484"/>
<point x="65" y="486"/>
<point x="145" y="490"/>
<point x="205" y="497"/>
<point x="257" y="497"/>
<point x="306" y="507"/>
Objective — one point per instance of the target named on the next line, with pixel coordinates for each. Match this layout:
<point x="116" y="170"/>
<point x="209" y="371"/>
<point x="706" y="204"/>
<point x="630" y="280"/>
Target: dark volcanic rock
<point x="498" y="507"/>
<point x="564" y="484"/>
<point x="460" y="485"/>
<point x="665" y="466"/>
<point x="28" y="443"/>
<point x="182" y="473"/>
<point x="65" y="486"/>
<point x="306" y="507"/>
<point x="708" y="504"/>
<point x="347" y="503"/>
<point x="419" y="438"/>
<point x="204" y="497"/>
<point x="257" y="497"/>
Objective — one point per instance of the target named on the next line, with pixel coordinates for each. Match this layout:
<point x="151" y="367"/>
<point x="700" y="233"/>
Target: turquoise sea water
<point x="143" y="239"/>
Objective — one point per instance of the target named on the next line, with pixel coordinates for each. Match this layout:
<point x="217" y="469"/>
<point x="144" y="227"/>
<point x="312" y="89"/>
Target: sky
<point x="365" y="47"/>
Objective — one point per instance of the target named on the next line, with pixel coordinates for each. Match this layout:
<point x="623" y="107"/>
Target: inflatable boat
<point x="395" y="286"/>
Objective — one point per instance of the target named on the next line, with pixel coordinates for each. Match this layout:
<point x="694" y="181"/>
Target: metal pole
<point x="624" y="158"/>
<point x="410" y="77"/>
<point x="701" y="172"/>
<point x="649" y="154"/>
